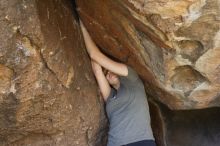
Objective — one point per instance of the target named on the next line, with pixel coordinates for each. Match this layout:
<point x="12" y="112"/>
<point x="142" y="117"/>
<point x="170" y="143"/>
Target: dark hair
<point x="105" y="71"/>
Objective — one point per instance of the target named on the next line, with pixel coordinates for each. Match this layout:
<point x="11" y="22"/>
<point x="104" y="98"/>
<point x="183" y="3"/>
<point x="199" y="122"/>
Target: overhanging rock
<point x="174" y="45"/>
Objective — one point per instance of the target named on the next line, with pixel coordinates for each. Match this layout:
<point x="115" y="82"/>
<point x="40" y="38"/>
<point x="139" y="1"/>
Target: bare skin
<point x="99" y="60"/>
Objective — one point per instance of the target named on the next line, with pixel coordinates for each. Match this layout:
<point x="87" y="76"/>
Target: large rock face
<point x="48" y="95"/>
<point x="174" y="45"/>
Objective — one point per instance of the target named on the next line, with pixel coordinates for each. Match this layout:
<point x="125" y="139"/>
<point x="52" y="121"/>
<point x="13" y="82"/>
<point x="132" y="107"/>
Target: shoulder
<point x="132" y="74"/>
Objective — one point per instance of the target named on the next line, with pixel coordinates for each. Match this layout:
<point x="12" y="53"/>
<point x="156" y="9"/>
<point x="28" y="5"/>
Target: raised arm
<point x="101" y="79"/>
<point x="95" y="54"/>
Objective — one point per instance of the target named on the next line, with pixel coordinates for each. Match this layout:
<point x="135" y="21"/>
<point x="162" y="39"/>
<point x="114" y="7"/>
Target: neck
<point x="116" y="86"/>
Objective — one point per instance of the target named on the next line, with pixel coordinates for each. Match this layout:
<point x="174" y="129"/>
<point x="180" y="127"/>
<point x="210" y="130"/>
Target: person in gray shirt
<point x="126" y="102"/>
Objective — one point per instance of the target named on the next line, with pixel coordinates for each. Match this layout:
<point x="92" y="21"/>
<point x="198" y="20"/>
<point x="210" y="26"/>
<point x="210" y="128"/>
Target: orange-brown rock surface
<point x="48" y="95"/>
<point x="174" y="45"/>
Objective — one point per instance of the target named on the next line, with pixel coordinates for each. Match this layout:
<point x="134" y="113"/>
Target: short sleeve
<point x="132" y="75"/>
<point x="112" y="94"/>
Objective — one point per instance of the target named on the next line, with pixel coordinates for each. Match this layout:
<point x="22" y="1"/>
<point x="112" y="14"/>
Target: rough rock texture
<point x="185" y="127"/>
<point x="48" y="95"/>
<point x="174" y="45"/>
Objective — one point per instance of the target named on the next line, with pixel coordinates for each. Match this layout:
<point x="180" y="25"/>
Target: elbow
<point x="94" y="55"/>
<point x="95" y="71"/>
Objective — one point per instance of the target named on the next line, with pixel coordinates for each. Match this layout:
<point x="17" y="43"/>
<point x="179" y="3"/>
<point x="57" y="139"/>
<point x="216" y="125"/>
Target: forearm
<point x="105" y="90"/>
<point x="100" y="58"/>
<point x="90" y="45"/>
<point x="109" y="64"/>
<point x="101" y="79"/>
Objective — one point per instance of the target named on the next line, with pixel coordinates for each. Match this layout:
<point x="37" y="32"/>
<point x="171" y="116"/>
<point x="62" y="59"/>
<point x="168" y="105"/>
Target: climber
<point x="126" y="103"/>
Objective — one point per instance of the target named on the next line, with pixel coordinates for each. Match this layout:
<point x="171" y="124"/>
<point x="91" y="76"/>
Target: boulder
<point x="173" y="45"/>
<point x="48" y="94"/>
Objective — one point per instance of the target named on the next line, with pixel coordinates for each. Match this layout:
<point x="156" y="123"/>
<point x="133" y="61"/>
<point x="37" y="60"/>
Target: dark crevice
<point x="75" y="13"/>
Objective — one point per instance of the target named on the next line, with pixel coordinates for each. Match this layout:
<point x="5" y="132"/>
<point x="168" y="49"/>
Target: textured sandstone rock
<point x="48" y="95"/>
<point x="6" y="75"/>
<point x="174" y="45"/>
<point x="47" y="91"/>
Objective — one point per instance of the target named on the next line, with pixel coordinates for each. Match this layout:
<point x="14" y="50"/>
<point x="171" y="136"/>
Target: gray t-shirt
<point x="128" y="112"/>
